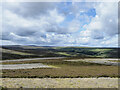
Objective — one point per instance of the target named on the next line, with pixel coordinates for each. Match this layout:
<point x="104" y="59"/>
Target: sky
<point x="86" y="24"/>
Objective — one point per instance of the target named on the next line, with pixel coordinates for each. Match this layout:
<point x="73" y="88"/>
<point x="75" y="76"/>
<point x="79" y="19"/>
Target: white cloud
<point x="106" y="19"/>
<point x="55" y="16"/>
<point x="74" y="26"/>
<point x="104" y="24"/>
<point x="44" y="24"/>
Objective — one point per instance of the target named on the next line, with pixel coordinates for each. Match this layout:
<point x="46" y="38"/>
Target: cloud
<point x="60" y="24"/>
<point x="74" y="25"/>
<point x="104" y="24"/>
<point x="30" y="9"/>
<point x="106" y="21"/>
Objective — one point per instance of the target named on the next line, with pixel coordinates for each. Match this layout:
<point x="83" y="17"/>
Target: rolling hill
<point x="19" y="51"/>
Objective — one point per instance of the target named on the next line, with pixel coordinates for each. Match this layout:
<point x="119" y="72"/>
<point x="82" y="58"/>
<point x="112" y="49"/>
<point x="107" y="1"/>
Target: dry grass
<point x="114" y="60"/>
<point x="67" y="69"/>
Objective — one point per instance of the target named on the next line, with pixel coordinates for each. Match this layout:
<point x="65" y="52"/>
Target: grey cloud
<point x="119" y="17"/>
<point x="26" y="31"/>
<point x="57" y="29"/>
<point x="31" y="9"/>
<point x="6" y="36"/>
<point x="96" y="34"/>
<point x="110" y="28"/>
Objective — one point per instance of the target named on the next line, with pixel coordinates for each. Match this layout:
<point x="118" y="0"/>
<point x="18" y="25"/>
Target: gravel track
<point x="59" y="82"/>
<point x="40" y="65"/>
<point x="99" y="61"/>
<point x="30" y="59"/>
<point x="24" y="66"/>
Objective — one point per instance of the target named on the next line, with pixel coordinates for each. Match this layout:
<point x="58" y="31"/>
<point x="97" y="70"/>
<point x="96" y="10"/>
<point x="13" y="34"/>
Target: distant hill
<point x="31" y="51"/>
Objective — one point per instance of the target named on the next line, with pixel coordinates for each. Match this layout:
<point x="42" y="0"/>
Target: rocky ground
<point x="59" y="82"/>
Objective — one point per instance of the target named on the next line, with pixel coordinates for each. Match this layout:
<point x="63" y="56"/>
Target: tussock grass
<point x="66" y="70"/>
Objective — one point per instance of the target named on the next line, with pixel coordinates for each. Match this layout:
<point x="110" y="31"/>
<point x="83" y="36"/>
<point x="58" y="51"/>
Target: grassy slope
<point x="14" y="52"/>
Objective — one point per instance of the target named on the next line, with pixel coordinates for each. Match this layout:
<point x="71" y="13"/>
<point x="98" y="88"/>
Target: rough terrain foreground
<point x="59" y="82"/>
